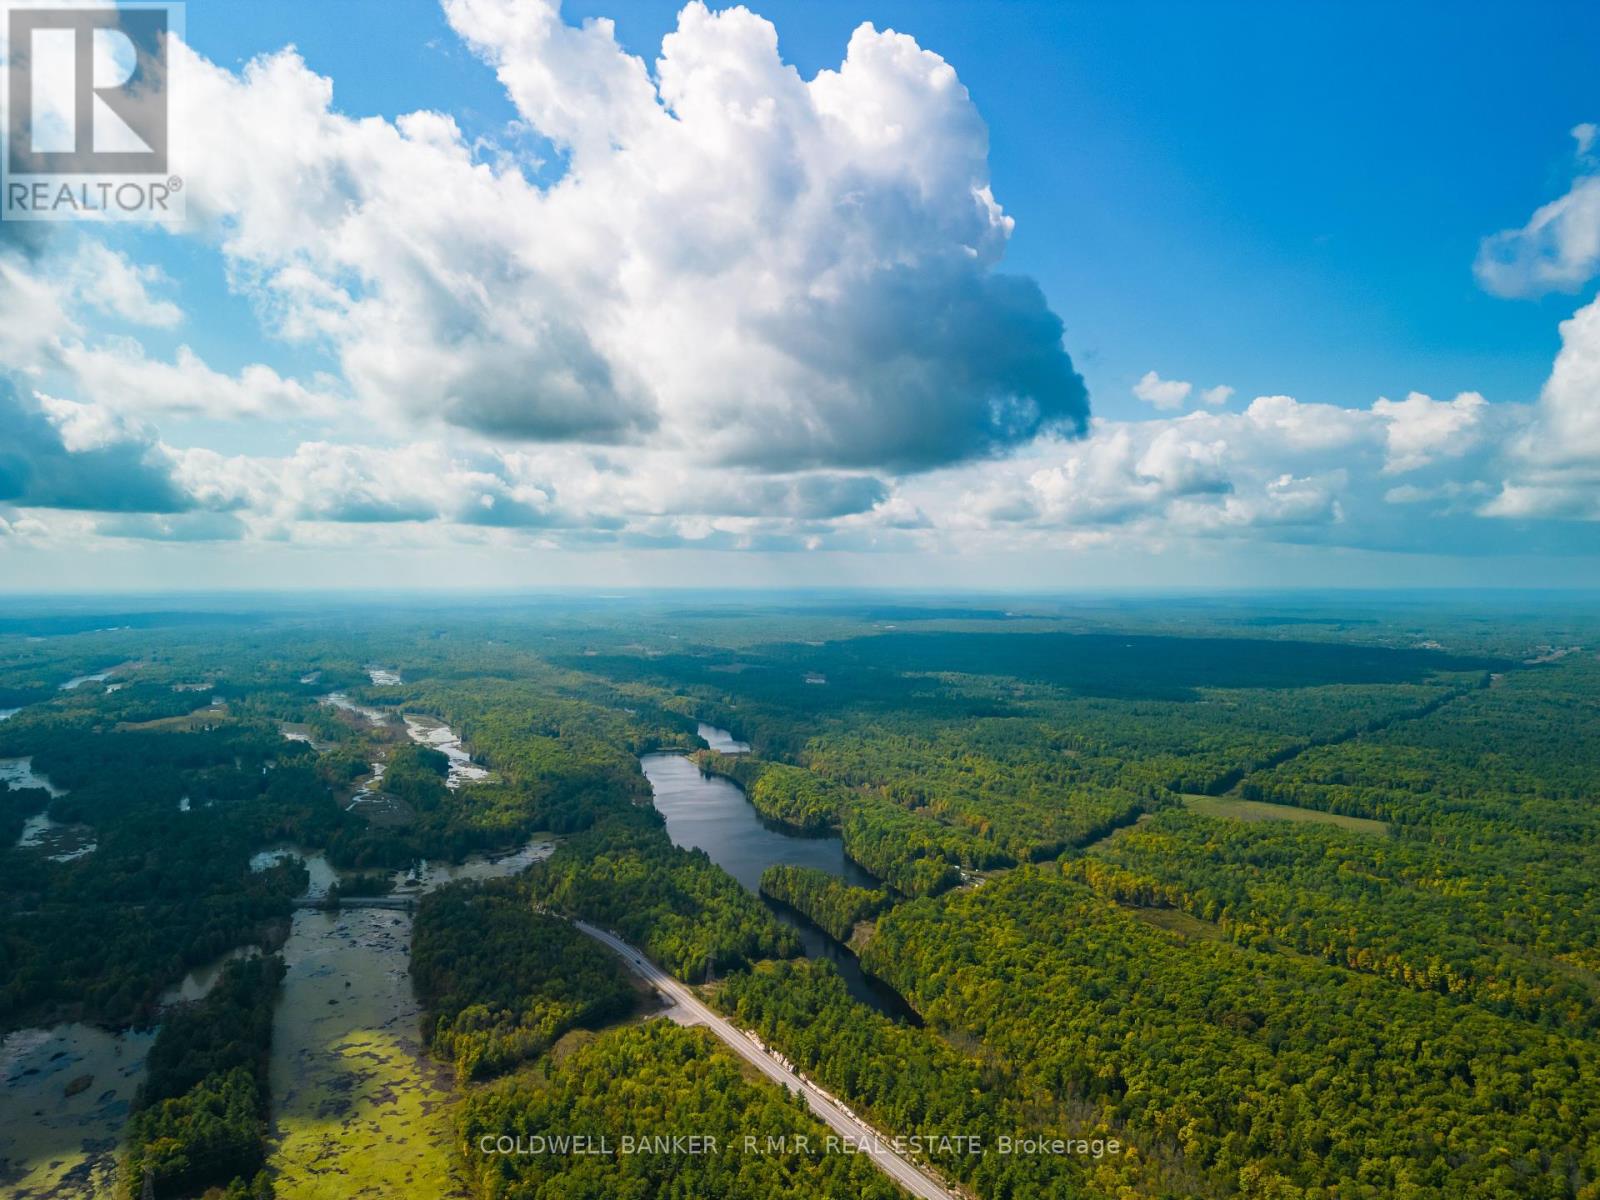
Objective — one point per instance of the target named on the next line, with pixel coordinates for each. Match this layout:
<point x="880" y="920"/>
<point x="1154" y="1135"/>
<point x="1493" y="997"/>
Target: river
<point x="349" y="1067"/>
<point x="713" y="814"/>
<point x="360" y="1108"/>
<point x="78" y="681"/>
<point x="19" y="773"/>
<point x="348" y="1062"/>
<point x="721" y="740"/>
<point x="339" y="700"/>
<point x="59" y="842"/>
<point x="426" y="731"/>
<point x="64" y="1091"/>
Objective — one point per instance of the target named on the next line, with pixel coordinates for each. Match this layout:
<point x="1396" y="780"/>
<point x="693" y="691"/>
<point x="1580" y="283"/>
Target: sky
<point x="500" y="293"/>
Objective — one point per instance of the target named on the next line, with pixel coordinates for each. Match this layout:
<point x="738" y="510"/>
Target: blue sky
<point x="1286" y="200"/>
<point x="1289" y="196"/>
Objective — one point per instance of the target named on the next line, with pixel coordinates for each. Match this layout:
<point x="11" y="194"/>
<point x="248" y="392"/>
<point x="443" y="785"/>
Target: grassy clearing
<point x="1177" y="921"/>
<point x="1233" y="809"/>
<point x="200" y="719"/>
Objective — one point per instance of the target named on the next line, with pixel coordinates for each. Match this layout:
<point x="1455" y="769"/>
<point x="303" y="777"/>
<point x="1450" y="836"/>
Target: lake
<point x="713" y="814"/>
<point x="721" y="740"/>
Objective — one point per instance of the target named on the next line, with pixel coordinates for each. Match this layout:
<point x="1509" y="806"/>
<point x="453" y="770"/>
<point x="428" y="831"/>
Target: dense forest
<point x="913" y="853"/>
<point x="1370" y="915"/>
<point x="790" y="795"/>
<point x="687" y="913"/>
<point x="826" y="899"/>
<point x="647" y="1082"/>
<point x="1297" y="1074"/>
<point x="499" y="982"/>
<point x="914" y="1080"/>
<point x="102" y="935"/>
<point x="1296" y="906"/>
<point x="200" y="1119"/>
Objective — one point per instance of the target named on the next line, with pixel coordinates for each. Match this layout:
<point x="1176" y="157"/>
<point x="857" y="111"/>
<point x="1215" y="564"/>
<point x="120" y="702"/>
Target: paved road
<point x="907" y="1174"/>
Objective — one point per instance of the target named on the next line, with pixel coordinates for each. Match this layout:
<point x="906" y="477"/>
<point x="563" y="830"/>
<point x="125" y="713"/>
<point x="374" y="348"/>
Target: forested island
<point x="1288" y="903"/>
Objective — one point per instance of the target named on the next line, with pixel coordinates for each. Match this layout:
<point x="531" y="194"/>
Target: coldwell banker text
<point x="927" y="1145"/>
<point x="87" y="123"/>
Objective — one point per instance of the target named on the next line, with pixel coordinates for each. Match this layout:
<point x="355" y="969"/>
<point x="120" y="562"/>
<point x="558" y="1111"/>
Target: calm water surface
<point x="65" y="1094"/>
<point x="721" y="740"/>
<point x="713" y="814"/>
<point x="348" y="1066"/>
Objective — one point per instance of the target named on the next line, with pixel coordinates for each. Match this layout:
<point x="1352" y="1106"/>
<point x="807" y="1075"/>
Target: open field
<point x="1234" y="809"/>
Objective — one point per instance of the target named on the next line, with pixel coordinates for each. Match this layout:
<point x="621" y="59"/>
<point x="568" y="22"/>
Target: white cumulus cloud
<point x="1170" y="395"/>
<point x="1164" y="394"/>
<point x="1559" y="248"/>
<point x="748" y="266"/>
<point x="1554" y="465"/>
<point x="1421" y="429"/>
